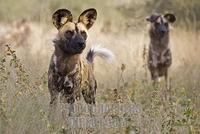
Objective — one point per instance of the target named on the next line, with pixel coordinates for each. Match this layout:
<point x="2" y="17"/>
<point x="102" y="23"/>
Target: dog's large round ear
<point x="60" y="17"/>
<point x="148" y="18"/>
<point x="88" y="17"/>
<point x="170" y="17"/>
<point x="152" y="18"/>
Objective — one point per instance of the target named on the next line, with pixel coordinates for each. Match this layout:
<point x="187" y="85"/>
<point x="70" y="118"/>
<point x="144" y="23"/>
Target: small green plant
<point x="190" y="118"/>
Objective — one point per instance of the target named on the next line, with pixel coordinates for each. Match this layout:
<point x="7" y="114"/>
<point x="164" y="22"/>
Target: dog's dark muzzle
<point x="162" y="30"/>
<point x="80" y="43"/>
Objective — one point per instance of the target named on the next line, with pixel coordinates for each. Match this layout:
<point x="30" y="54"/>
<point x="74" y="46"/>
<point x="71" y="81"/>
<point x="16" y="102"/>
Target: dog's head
<point x="160" y="23"/>
<point x="72" y="36"/>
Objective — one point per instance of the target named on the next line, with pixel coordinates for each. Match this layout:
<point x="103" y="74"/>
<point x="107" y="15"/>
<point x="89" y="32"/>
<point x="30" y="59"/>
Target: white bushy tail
<point x="101" y="52"/>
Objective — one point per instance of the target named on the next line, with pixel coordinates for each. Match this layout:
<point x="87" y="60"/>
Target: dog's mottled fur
<point x="69" y="73"/>
<point x="159" y="58"/>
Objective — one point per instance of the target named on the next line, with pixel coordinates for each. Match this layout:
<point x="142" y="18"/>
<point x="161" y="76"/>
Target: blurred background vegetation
<point x="121" y="27"/>
<point x="129" y="12"/>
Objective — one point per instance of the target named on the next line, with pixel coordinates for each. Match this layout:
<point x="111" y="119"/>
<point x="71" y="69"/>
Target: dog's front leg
<point x="53" y="94"/>
<point x="89" y="96"/>
<point x="68" y="96"/>
<point x="155" y="77"/>
<point x="71" y="109"/>
<point x="69" y="89"/>
<point x="68" y="100"/>
<point x="155" y="61"/>
<point x="53" y="103"/>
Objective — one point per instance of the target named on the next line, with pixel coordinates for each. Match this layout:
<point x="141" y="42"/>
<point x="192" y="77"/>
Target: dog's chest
<point x="76" y="81"/>
<point x="159" y="58"/>
<point x="79" y="76"/>
<point x="73" y="77"/>
<point x="64" y="66"/>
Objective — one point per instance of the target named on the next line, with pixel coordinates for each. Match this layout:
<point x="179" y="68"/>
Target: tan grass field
<point x="24" y="96"/>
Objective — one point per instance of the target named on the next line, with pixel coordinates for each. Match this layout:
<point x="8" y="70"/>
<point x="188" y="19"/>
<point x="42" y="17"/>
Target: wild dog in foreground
<point x="159" y="58"/>
<point x="69" y="73"/>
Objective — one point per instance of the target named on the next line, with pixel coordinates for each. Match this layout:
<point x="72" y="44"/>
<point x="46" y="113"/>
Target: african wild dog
<point x="159" y="58"/>
<point x="69" y="73"/>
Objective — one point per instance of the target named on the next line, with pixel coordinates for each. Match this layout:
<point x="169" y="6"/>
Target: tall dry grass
<point x="24" y="96"/>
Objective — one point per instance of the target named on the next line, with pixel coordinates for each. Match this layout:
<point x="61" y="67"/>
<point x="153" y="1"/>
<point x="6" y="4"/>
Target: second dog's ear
<point x="152" y="18"/>
<point x="170" y="17"/>
<point x="88" y="17"/>
<point x="60" y="17"/>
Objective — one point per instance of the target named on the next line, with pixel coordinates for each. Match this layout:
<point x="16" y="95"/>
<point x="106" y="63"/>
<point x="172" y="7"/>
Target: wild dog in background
<point x="159" y="58"/>
<point x="69" y="73"/>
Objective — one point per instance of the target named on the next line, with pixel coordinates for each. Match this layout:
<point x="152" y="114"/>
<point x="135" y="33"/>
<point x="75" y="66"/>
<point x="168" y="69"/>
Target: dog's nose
<point x="81" y="44"/>
<point x="163" y="31"/>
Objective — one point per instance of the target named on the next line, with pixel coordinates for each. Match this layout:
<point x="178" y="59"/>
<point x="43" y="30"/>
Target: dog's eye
<point x="166" y="24"/>
<point x="69" y="34"/>
<point x="157" y="24"/>
<point x="84" y="34"/>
